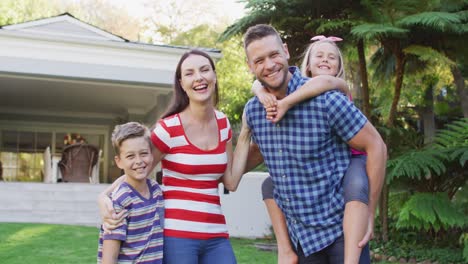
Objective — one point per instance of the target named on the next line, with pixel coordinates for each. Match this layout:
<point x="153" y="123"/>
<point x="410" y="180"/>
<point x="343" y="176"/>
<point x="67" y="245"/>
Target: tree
<point x="18" y="11"/>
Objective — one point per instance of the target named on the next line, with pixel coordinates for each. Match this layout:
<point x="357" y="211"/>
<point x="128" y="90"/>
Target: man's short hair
<point x="258" y="32"/>
<point x="126" y="131"/>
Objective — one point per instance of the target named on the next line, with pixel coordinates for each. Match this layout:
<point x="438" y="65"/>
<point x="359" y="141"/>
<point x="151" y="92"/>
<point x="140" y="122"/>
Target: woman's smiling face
<point x="198" y="79"/>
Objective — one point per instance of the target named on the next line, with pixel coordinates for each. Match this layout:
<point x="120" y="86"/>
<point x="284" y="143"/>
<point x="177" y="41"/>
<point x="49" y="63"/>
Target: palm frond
<point x="241" y="25"/>
<point x="416" y="164"/>
<point x="384" y="64"/>
<point x="450" y="144"/>
<point x="430" y="210"/>
<point x="335" y="25"/>
<point x="370" y="31"/>
<point x="428" y="54"/>
<point x="455" y="135"/>
<point x="463" y="15"/>
<point x="438" y="21"/>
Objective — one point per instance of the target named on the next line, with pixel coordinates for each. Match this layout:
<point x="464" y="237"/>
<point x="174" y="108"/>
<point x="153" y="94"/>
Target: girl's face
<point x="324" y="59"/>
<point x="198" y="78"/>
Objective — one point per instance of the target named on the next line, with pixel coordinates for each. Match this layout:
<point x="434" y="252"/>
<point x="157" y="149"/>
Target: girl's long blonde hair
<point x="305" y="71"/>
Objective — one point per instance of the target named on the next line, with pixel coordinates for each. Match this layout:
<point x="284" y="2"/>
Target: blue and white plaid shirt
<point x="307" y="156"/>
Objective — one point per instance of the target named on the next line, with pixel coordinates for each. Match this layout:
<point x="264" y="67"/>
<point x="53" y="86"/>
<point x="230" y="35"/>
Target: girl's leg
<point x="356" y="215"/>
<point x="215" y="251"/>
<point x="181" y="250"/>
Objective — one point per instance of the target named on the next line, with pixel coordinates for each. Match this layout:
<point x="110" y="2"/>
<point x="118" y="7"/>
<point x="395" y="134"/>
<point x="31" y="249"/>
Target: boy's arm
<point x="110" y="251"/>
<point x="313" y="87"/>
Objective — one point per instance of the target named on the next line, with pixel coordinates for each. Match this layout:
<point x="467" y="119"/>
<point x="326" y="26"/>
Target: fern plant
<point x="433" y="174"/>
<point x="439" y="167"/>
<point x="430" y="211"/>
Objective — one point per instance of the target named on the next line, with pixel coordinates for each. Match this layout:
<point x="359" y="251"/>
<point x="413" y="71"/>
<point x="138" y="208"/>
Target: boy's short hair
<point x="128" y="130"/>
<point x="259" y="31"/>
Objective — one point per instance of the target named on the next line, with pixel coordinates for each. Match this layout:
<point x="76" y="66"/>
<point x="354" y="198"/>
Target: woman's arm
<point x="237" y="162"/>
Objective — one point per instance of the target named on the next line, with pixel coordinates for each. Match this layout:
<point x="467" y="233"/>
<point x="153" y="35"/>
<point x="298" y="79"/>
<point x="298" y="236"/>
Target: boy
<point x="140" y="238"/>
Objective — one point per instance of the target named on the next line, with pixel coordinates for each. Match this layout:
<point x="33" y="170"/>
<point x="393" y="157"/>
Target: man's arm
<point x="110" y="251"/>
<point x="370" y="141"/>
<point x="286" y="253"/>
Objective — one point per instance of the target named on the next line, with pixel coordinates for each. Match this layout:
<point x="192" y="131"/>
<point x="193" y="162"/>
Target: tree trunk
<point x="427" y="113"/>
<point x="365" y="84"/>
<point x="383" y="212"/>
<point x="400" y="66"/>
<point x="462" y="91"/>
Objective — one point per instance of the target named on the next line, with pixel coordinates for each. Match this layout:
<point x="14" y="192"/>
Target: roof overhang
<point x="47" y="74"/>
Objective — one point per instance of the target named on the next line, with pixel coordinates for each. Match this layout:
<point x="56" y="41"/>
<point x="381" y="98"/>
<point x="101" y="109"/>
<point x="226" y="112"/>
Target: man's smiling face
<point x="268" y="60"/>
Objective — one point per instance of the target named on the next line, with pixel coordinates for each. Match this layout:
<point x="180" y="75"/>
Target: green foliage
<point x="428" y="54"/>
<point x="416" y="164"/>
<point x="409" y="249"/>
<point x="18" y="11"/>
<point x="426" y="211"/>
<point x="440" y="21"/>
<point x="454" y="141"/>
<point x="450" y="144"/>
<point x="234" y="79"/>
<point x="371" y="31"/>
<point x="464" y="242"/>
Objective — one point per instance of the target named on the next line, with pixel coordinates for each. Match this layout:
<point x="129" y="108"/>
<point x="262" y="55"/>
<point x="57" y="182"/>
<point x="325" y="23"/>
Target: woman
<point x="193" y="142"/>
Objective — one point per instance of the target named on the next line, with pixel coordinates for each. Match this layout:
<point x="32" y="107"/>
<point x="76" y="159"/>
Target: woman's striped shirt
<point x="190" y="178"/>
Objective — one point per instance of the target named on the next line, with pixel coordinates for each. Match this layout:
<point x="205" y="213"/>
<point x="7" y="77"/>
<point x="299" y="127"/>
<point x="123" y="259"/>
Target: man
<point x="307" y="152"/>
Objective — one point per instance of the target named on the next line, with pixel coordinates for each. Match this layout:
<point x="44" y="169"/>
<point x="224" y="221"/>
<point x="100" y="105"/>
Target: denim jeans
<point x="198" y="251"/>
<point x="355" y="181"/>
<point x="333" y="254"/>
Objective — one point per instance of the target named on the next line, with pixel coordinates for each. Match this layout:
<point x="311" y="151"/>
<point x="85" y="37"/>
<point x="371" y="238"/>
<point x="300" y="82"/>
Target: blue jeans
<point x="198" y="251"/>
<point x="333" y="254"/>
<point x="355" y="181"/>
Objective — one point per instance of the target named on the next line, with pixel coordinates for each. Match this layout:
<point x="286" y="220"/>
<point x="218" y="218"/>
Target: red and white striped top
<point x="190" y="179"/>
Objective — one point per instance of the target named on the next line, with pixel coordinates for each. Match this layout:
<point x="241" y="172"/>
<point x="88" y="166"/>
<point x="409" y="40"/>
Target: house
<point x="63" y="80"/>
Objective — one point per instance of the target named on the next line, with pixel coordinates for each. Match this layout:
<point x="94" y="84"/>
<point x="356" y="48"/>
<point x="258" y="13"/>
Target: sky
<point x="229" y="10"/>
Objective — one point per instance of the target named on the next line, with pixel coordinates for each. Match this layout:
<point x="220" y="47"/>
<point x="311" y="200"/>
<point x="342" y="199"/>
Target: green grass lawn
<point x="63" y="244"/>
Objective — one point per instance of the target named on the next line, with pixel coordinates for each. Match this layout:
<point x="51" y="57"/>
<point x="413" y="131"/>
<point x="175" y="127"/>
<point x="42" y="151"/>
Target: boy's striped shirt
<point x="141" y="235"/>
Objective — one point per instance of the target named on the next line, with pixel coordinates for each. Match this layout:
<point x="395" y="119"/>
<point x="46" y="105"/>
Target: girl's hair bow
<point x="322" y="37"/>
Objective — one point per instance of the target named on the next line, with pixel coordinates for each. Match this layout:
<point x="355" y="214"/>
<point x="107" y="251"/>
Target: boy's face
<point x="135" y="158"/>
<point x="268" y="60"/>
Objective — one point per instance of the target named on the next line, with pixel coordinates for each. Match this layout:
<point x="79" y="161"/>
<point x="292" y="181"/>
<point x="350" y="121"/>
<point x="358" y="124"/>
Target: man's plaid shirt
<point x="307" y="156"/>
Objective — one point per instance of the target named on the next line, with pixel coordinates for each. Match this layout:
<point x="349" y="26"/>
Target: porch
<point x="62" y="78"/>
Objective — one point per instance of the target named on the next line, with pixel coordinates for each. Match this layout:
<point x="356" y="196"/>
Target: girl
<point x="322" y="59"/>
